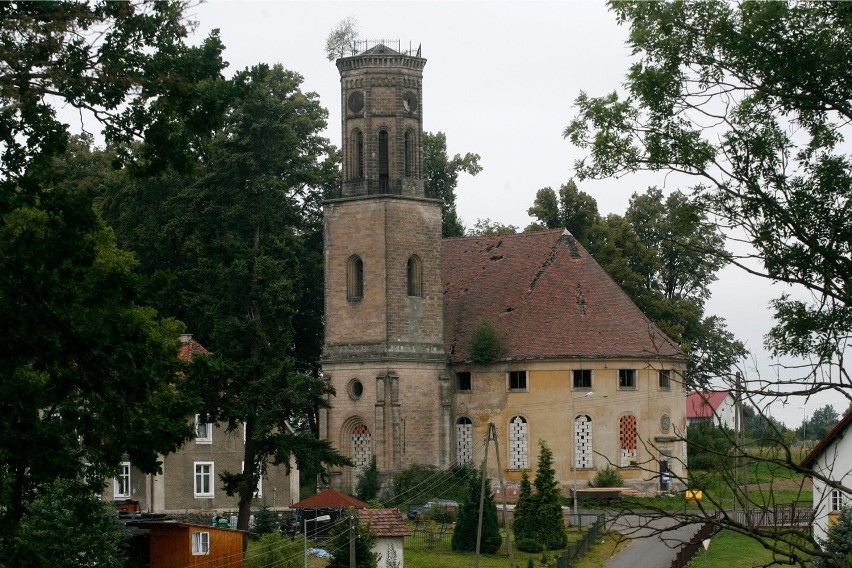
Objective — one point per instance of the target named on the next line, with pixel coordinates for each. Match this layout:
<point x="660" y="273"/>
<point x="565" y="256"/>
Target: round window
<point x="356" y="389"/>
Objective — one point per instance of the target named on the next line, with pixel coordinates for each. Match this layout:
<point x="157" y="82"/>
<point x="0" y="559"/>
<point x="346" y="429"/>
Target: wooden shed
<point x="184" y="545"/>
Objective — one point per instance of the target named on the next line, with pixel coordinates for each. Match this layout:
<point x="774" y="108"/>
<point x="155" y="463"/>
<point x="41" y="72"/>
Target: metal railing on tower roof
<point x="361" y="45"/>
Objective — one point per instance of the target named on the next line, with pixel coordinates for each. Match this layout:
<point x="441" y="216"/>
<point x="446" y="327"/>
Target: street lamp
<point x="315" y="520"/>
<point x="574" y="445"/>
<point x="804" y="425"/>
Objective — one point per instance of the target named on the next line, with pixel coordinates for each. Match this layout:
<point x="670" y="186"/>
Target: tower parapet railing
<point x="361" y="45"/>
<point x="411" y="187"/>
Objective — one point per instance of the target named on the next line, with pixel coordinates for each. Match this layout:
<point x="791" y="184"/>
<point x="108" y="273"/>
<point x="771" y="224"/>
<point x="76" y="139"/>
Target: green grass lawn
<point x="732" y="550"/>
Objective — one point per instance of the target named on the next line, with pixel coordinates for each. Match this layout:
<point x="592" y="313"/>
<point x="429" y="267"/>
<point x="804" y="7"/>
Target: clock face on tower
<point x="409" y="101"/>
<point x="356" y="101"/>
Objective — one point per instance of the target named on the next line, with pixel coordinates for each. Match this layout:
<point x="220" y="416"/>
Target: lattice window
<point x="464" y="441"/>
<point x="518" y="443"/>
<point x="583" y="442"/>
<point x="627" y="440"/>
<point x="362" y="448"/>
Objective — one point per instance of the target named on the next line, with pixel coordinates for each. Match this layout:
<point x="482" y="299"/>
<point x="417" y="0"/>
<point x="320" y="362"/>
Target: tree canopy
<point x="751" y="101"/>
<point x="748" y="104"/>
<point x="90" y="370"/>
<point x="440" y="176"/>
<point x="242" y="244"/>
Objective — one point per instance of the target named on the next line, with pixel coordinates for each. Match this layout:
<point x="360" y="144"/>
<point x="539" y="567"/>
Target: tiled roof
<point x="190" y="348"/>
<point x="546" y="295"/>
<point x="704" y="404"/>
<point x="329" y="499"/>
<point x="384" y="522"/>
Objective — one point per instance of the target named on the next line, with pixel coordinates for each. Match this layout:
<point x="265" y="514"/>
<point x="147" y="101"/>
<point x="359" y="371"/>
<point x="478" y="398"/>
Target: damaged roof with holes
<point x="548" y="297"/>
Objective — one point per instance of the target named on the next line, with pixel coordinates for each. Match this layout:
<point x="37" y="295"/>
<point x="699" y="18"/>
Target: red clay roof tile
<point x="546" y="295"/>
<point x="384" y="522"/>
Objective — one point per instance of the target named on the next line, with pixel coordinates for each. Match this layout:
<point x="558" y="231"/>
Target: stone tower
<point x="384" y="350"/>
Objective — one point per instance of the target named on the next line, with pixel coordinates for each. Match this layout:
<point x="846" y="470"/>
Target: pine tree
<point x="838" y="542"/>
<point x="368" y="483"/>
<point x="548" y="516"/>
<point x="523" y="523"/>
<point x="464" y="534"/>
<point x="364" y="542"/>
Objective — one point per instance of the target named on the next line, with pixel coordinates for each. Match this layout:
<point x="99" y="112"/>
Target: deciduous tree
<point x="440" y="176"/>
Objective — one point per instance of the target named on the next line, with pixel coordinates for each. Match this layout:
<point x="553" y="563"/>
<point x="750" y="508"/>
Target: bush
<point x="274" y="549"/>
<point x="607" y="477"/>
<point x="368" y="483"/>
<point x="465" y="531"/>
<point x="265" y="521"/>
<point x="529" y="545"/>
<point x="486" y="343"/>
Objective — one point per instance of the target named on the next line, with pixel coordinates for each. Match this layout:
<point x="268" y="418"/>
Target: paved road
<point x="655" y="544"/>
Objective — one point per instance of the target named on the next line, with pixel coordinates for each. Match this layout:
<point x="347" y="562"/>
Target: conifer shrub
<point x="464" y="533"/>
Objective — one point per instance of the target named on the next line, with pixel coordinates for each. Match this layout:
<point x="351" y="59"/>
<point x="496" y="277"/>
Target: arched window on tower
<point x="627" y="440"/>
<point x="518" y="443"/>
<point x="354" y="278"/>
<point x="362" y="449"/>
<point x="384" y="161"/>
<point x="409" y="153"/>
<point x="357" y="155"/>
<point x="414" y="272"/>
<point x="464" y="441"/>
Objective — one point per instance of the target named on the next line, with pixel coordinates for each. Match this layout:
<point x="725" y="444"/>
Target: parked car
<point x="433" y="507"/>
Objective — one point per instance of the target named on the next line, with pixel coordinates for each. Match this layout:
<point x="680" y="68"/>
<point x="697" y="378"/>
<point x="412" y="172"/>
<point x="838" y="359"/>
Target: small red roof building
<point x="705" y="403"/>
<point x="190" y="348"/>
<point x="329" y="499"/>
<point x="384" y="522"/>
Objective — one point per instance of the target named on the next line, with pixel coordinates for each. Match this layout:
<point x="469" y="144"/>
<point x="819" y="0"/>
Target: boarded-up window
<point x="464" y="441"/>
<point x="415" y="276"/>
<point x="583" y="442"/>
<point x="518" y="443"/>
<point x="627" y="440"/>
<point x="354" y="278"/>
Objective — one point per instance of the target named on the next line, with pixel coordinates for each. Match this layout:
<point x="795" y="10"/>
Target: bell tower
<point x="384" y="350"/>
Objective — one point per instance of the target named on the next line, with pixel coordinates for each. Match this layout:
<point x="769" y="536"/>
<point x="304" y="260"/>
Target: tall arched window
<point x="464" y="441"/>
<point x="627" y="440"/>
<point x="415" y="276"/>
<point x="354" y="278"/>
<point x="362" y="449"/>
<point x="357" y="155"/>
<point x="583" y="442"/>
<point x="384" y="161"/>
<point x="518" y="443"/>
<point x="409" y="153"/>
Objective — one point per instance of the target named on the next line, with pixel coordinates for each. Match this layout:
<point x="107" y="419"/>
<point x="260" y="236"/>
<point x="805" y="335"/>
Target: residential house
<point x="831" y="459"/>
<point x="189" y="481"/>
<point x="712" y="407"/>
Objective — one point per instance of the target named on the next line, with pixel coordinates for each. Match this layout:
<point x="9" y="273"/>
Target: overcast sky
<point x="500" y="81"/>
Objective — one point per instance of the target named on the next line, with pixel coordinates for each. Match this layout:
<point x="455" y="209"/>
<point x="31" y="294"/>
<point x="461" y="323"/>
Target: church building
<point x="579" y="367"/>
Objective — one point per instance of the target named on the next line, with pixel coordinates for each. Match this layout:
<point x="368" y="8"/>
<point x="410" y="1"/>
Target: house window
<point x="518" y="443"/>
<point x="357" y="154"/>
<point x="203" y="486"/>
<point x="409" y="153"/>
<point x="583" y="379"/>
<point x="627" y="378"/>
<point x="200" y="542"/>
<point x="258" y="489"/>
<point x="518" y="380"/>
<point x="464" y="441"/>
<point x="354" y="278"/>
<point x="203" y="430"/>
<point x="463" y="381"/>
<point x="414" y="272"/>
<point x="665" y="380"/>
<point x="836" y="500"/>
<point x="122" y="481"/>
<point x="583" y="442"/>
<point x="627" y="440"/>
<point x="384" y="161"/>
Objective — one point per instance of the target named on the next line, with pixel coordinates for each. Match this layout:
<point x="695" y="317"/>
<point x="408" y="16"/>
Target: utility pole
<point x="352" y="537"/>
<point x="492" y="435"/>
<point x="483" y="473"/>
